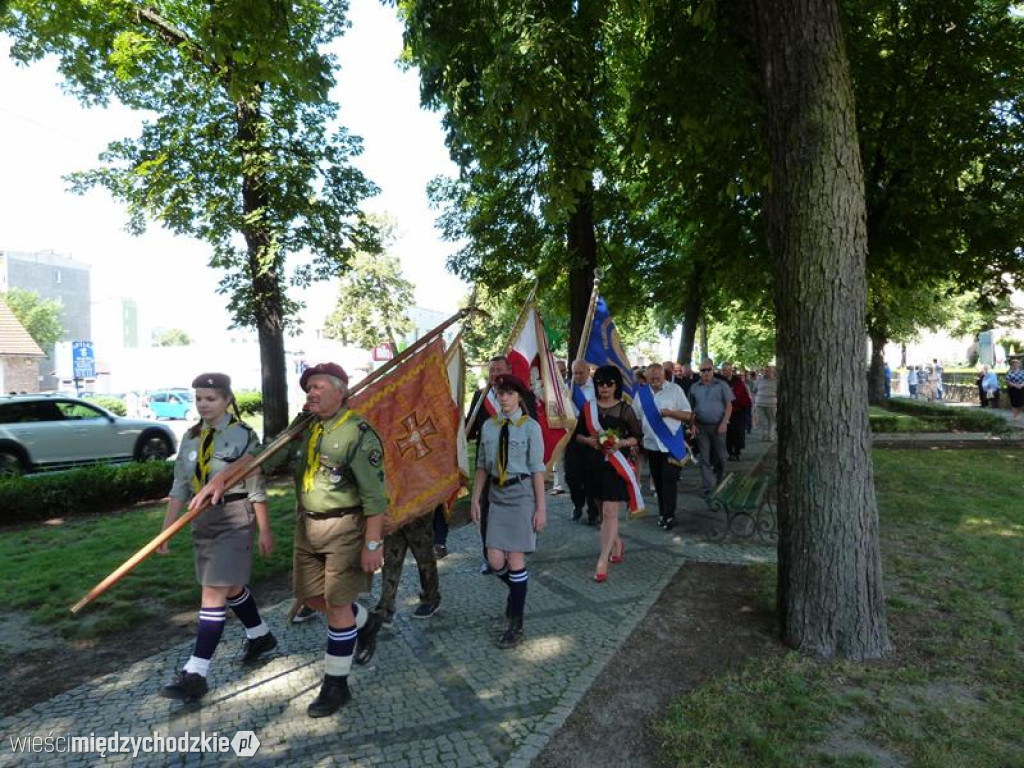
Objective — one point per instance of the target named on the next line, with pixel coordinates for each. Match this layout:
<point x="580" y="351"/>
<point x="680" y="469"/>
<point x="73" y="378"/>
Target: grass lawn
<point x="46" y="568"/>
<point x="951" y="693"/>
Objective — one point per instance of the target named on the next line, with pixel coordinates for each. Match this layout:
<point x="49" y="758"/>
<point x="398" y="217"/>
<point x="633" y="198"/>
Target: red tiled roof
<point x="14" y="339"/>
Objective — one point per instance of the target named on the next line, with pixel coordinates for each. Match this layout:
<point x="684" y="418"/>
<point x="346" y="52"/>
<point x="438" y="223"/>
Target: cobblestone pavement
<point x="438" y="692"/>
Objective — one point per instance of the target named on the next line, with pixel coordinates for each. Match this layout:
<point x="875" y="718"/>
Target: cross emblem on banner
<point x="416" y="436"/>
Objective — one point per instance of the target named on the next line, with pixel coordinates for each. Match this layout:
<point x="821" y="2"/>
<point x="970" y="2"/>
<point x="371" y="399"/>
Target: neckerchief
<point x="503" y="437"/>
<point x="313" y="451"/>
<point x="205" y="457"/>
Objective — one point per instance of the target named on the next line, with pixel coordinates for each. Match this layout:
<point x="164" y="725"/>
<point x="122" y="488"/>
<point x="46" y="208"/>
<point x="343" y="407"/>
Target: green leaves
<point x="42" y="318"/>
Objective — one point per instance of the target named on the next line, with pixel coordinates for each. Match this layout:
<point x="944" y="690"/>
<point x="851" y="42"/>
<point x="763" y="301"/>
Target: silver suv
<point x="39" y="432"/>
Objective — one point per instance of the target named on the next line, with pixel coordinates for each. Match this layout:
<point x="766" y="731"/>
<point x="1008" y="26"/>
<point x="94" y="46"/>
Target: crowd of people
<point x="341" y="497"/>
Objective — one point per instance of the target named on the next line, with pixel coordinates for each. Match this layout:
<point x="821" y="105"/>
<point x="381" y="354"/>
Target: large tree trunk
<point x="830" y="577"/>
<point x="582" y="243"/>
<point x="876" y="373"/>
<point x="264" y="272"/>
<point x="691" y="315"/>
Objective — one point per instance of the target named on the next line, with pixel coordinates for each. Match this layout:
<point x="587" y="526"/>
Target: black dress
<point x="601" y="480"/>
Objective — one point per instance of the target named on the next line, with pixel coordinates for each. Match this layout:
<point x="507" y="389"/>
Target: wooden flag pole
<point x="581" y="347"/>
<point x="411" y="350"/>
<point x="233" y="475"/>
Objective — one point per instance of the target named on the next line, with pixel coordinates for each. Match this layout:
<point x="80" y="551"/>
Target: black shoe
<point x="577" y="513"/>
<point x="670" y="523"/>
<point x="387" y="619"/>
<point x="332" y="697"/>
<point x="513" y="634"/>
<point x="485" y="569"/>
<point x="661" y="522"/>
<point x="186" y="686"/>
<point x="254" y="647"/>
<point x="305" y="613"/>
<point x="440" y="551"/>
<point x="591" y="521"/>
<point x="366" y="638"/>
<point x="426" y="610"/>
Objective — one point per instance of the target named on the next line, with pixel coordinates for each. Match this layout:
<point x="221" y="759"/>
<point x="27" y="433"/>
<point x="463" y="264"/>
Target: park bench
<point x="747" y="505"/>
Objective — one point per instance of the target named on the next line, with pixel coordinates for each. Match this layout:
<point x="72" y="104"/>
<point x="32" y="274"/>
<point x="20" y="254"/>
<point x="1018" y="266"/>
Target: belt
<point x="234" y="497"/>
<point x="333" y="514"/>
<point x="510" y="480"/>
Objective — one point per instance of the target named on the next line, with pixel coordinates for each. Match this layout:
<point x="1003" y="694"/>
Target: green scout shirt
<point x="351" y="472"/>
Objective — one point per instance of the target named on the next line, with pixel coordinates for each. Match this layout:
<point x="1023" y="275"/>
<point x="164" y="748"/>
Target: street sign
<point x="383" y="351"/>
<point x="83" y="360"/>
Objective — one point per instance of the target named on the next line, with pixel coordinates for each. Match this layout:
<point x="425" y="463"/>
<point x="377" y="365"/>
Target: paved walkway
<point x="437" y="692"/>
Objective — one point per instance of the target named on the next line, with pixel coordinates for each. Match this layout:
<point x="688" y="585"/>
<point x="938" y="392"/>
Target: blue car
<point x="171" y="404"/>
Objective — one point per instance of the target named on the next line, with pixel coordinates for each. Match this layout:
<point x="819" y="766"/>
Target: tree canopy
<point x="237" y="150"/>
<point x="171" y="337"/>
<point x="42" y="318"/>
<point x="373" y="298"/>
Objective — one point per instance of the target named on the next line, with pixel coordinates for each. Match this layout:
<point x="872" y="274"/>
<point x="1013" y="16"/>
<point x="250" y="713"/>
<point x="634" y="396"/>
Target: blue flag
<point x="604" y="347"/>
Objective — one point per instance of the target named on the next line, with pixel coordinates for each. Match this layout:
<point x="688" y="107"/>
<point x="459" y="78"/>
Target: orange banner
<point x="413" y="412"/>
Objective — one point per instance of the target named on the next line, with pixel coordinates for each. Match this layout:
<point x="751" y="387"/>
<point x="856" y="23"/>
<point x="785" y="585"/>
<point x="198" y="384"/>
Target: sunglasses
<point x="604" y="383"/>
<point x="707" y="370"/>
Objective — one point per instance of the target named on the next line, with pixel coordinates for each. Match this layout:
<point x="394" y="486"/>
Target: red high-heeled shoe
<point x="616" y="559"/>
<point x="600" y="578"/>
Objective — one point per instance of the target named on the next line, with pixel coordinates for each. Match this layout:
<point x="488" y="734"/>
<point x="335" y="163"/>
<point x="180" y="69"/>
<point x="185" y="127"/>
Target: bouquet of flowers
<point x="607" y="441"/>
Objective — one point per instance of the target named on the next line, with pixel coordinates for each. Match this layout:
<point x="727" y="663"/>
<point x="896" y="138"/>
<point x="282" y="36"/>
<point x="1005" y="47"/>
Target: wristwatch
<point x="373" y="545"/>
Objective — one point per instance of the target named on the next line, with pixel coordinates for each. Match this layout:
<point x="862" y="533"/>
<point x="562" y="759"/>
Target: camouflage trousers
<point x="417" y="536"/>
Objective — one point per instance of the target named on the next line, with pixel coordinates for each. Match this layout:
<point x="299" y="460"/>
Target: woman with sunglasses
<point x="616" y="429"/>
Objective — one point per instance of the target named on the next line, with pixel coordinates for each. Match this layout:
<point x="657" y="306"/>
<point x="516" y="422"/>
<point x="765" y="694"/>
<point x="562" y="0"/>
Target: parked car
<point x="39" y="432"/>
<point x="171" y="404"/>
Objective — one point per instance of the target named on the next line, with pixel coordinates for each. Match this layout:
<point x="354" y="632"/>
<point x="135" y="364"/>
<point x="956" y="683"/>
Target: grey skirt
<point x="510" y="518"/>
<point x="222" y="537"/>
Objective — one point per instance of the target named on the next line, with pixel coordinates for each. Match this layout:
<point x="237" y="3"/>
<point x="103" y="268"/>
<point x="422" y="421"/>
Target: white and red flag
<point x="532" y="361"/>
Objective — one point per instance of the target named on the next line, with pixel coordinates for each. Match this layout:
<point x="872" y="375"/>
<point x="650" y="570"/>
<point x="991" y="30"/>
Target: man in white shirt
<point x="673" y="409"/>
<point x="582" y="390"/>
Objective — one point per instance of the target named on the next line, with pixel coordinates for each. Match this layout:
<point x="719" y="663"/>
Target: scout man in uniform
<point x="342" y="495"/>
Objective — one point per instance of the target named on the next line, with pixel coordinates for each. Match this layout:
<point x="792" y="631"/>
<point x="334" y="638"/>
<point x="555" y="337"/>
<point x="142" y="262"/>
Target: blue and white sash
<point x="672" y="440"/>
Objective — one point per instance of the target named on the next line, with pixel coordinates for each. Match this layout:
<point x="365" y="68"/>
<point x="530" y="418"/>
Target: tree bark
<point x="704" y="351"/>
<point x="264" y="272"/>
<point x="691" y="315"/>
<point x="582" y="246"/>
<point x="830" y="594"/>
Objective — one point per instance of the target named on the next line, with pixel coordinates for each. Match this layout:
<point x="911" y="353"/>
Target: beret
<point x="326" y="369"/>
<point x="212" y="381"/>
<point x="511" y="383"/>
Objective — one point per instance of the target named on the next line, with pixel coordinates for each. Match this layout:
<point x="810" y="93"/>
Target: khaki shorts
<point x="327" y="559"/>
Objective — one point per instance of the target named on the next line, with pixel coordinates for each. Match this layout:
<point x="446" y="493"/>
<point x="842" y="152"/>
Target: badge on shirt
<point x="375" y="457"/>
<point x="192" y="456"/>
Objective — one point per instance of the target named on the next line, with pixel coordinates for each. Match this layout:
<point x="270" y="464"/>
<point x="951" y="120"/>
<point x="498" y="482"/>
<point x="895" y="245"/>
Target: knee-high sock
<point x="341" y="644"/>
<point x="518" y="581"/>
<point x="211" y="627"/>
<point x="503" y="574"/>
<point x="244" y="606"/>
<point x="361" y="615"/>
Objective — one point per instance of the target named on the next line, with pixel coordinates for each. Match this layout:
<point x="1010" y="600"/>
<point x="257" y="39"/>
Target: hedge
<point x="962" y="419"/>
<point x="112" y="404"/>
<point x="249" y="402"/>
<point x="89" y="490"/>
